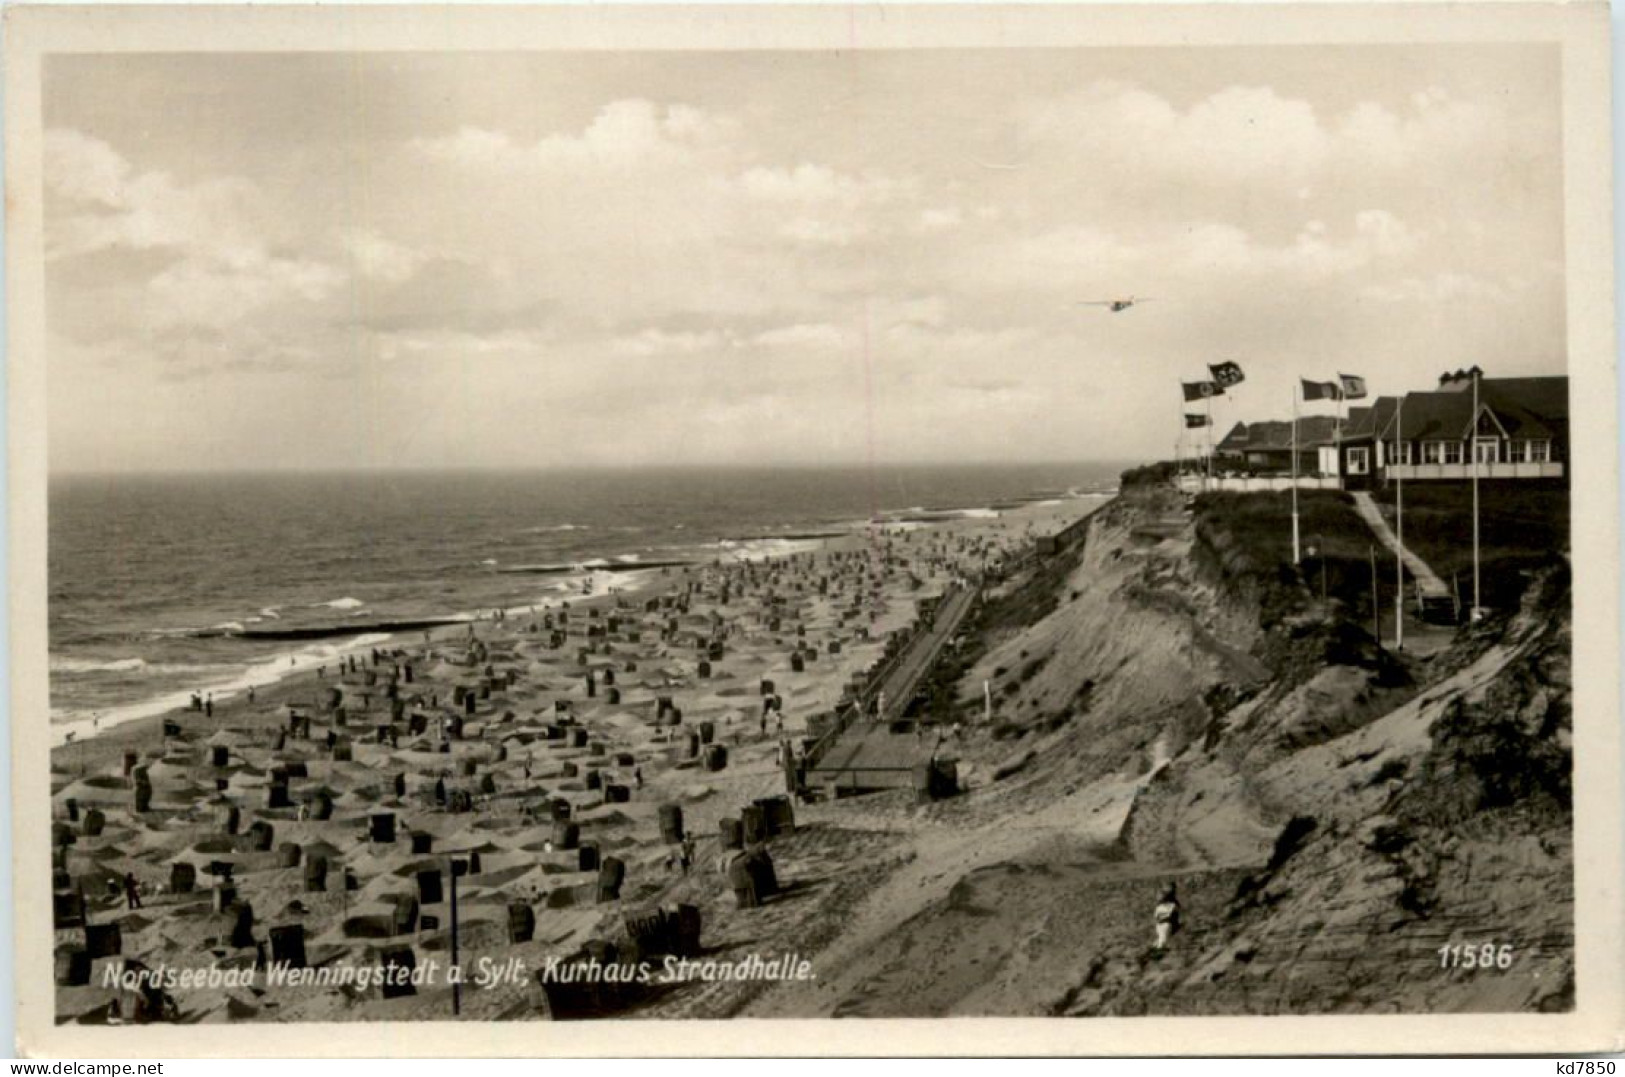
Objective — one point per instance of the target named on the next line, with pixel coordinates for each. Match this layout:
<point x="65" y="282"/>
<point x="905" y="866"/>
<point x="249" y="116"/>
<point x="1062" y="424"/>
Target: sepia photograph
<point x="625" y="519"/>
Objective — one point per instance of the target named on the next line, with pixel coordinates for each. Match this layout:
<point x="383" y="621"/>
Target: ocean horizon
<point x="161" y="584"/>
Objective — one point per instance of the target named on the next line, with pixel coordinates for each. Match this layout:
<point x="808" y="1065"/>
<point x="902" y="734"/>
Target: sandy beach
<point x="559" y="754"/>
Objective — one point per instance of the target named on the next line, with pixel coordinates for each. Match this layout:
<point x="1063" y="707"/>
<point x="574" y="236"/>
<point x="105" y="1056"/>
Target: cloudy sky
<point x="336" y="260"/>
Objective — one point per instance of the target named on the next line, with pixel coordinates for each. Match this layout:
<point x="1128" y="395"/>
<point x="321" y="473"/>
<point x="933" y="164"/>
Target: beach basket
<point x="753" y="821"/>
<point x="72" y="967"/>
<point x="779" y="814"/>
<point x="587" y="858"/>
<point x="242" y="925"/>
<point x="103" y="941"/>
<point x="671" y="823"/>
<point x="381" y="828"/>
<point x="288" y="945"/>
<point x="566" y="834"/>
<point x="404" y="921"/>
<point x="68" y="909"/>
<point x="521" y="922"/>
<point x="429" y="887"/>
<point x="397" y="985"/>
<point x="611" y="873"/>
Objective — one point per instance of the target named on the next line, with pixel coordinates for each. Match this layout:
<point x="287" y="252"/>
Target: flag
<point x="1201" y="390"/>
<point x="1353" y="386"/>
<point x="1192" y="421"/>
<point x="1321" y="390"/>
<point x="1227" y="374"/>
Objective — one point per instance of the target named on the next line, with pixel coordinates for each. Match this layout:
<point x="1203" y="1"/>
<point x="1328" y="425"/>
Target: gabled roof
<point x="1365" y="422"/>
<point x="1277" y="435"/>
<point x="1525" y="408"/>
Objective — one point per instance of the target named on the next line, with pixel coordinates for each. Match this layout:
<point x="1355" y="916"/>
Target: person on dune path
<point x="1166" y="917"/>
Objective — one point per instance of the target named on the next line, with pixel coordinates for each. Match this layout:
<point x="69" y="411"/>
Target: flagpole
<point x="1295" y="558"/>
<point x="1179" y="449"/>
<point x="1210" y="437"/>
<point x="1399" y="530"/>
<point x="1337" y="429"/>
<point x="1476" y="604"/>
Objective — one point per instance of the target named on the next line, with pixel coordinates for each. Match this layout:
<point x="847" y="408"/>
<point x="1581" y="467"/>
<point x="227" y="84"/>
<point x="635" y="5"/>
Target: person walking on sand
<point x="251" y="695"/>
<point x="208" y="706"/>
<point x="132" y="892"/>
<point x="1166" y="917"/>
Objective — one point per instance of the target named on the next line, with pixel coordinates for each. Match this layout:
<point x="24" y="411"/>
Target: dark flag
<point x="1192" y="421"/>
<point x="1201" y="390"/>
<point x="1353" y="386"/>
<point x="1321" y="390"/>
<point x="1227" y="374"/>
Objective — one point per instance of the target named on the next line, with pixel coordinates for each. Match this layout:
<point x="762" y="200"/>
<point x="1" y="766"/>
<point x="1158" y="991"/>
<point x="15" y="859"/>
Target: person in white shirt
<point x="1166" y="917"/>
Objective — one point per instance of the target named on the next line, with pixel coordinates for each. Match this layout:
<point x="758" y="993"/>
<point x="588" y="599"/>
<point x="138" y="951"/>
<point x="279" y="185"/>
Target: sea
<point x="165" y="585"/>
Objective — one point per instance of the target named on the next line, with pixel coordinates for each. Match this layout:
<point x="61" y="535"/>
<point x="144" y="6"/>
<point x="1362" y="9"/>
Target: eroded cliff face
<point x="1169" y="710"/>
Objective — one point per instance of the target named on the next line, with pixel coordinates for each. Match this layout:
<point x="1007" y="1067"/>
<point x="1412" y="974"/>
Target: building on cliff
<point x="1519" y="430"/>
<point x="1266" y="447"/>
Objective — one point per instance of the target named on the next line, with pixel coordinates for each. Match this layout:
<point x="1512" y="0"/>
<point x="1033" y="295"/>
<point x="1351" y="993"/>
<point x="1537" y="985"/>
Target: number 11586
<point x="1487" y="955"/>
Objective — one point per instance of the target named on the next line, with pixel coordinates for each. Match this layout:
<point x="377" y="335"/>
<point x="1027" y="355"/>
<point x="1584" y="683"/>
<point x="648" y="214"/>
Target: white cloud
<point x="223" y="268"/>
<point x="808" y="184"/>
<point x="802" y="336"/>
<point x="733" y="246"/>
<point x="1238" y="134"/>
<point x="379" y="257"/>
<point x="222" y="292"/>
<point x="1441" y="288"/>
<point x="820" y="232"/>
<point x="624" y="133"/>
<point x="940" y="220"/>
<point x="98" y="201"/>
<point x="672" y="342"/>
